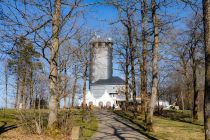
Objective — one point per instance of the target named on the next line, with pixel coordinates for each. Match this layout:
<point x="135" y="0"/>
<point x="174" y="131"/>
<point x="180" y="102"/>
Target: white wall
<point x="98" y="90"/>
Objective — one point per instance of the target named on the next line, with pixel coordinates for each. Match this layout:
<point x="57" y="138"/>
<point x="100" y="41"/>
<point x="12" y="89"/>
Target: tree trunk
<point x="138" y="52"/>
<point x="206" y="21"/>
<point x="84" y="87"/>
<point x="195" y="87"/>
<point x="182" y="100"/>
<point x="133" y="79"/>
<point x="126" y="77"/>
<point x="196" y="92"/>
<point x="158" y="101"/>
<point x="65" y="86"/>
<point x="18" y="83"/>
<point x="60" y="86"/>
<point x="144" y="58"/>
<point x="31" y="88"/>
<point x="53" y="77"/>
<point x="20" y="93"/>
<point x="131" y="48"/>
<point x="6" y="85"/>
<point x="23" y="91"/>
<point x="17" y="93"/>
<point x="187" y="81"/>
<point x="74" y="88"/>
<point x="149" y="122"/>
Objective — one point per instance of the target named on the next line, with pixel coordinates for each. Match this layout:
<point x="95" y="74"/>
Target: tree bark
<point x="53" y="77"/>
<point x="131" y="48"/>
<point x="149" y="122"/>
<point x="60" y="86"/>
<point x="84" y="87"/>
<point x="182" y="98"/>
<point x="195" y="86"/>
<point x="31" y="88"/>
<point x="65" y="86"/>
<point x="74" y="88"/>
<point x="143" y="67"/>
<point x="126" y="76"/>
<point x="6" y="84"/>
<point x="17" y="93"/>
<point x="23" y="90"/>
<point x="19" y="85"/>
<point x="206" y="21"/>
<point x="187" y="81"/>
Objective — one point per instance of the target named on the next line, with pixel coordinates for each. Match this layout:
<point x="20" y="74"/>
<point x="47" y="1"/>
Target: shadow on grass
<point x="141" y="129"/>
<point x="181" y="116"/>
<point x="4" y="128"/>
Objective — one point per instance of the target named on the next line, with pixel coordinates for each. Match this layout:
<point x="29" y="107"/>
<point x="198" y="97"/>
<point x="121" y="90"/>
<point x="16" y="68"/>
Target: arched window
<point x="108" y="104"/>
<point x="100" y="103"/>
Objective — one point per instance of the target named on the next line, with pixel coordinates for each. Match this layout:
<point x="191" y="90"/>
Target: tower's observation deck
<point x="101" y="59"/>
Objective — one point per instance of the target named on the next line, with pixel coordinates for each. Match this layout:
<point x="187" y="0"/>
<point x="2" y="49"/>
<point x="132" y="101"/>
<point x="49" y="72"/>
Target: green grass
<point x="75" y="118"/>
<point x="88" y="127"/>
<point x="175" y="130"/>
<point x="167" y="129"/>
<point x="183" y="116"/>
<point x="7" y="116"/>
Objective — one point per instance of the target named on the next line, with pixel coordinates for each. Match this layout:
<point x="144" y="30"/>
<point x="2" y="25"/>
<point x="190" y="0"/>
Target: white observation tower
<point x="101" y="59"/>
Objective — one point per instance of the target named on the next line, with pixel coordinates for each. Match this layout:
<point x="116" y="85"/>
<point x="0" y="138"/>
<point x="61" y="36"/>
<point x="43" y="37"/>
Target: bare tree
<point x="144" y="56"/>
<point x="53" y="67"/>
<point x="83" y="52"/>
<point x="149" y="122"/>
<point x="206" y="21"/>
<point x="195" y="45"/>
<point x="65" y="84"/>
<point x="126" y="12"/>
<point x="46" y="32"/>
<point x="122" y="58"/>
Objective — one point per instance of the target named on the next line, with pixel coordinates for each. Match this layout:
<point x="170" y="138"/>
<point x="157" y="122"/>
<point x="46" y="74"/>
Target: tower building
<point x="101" y="59"/>
<point x="105" y="89"/>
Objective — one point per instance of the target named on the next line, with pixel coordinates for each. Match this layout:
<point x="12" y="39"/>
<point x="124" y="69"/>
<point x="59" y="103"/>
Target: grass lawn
<point x="167" y="129"/>
<point x="182" y="115"/>
<point x="88" y="124"/>
<point x="9" y="121"/>
<point x="7" y="117"/>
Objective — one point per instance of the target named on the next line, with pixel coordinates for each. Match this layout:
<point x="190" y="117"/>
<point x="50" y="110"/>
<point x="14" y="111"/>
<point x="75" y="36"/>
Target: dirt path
<point x="112" y="127"/>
